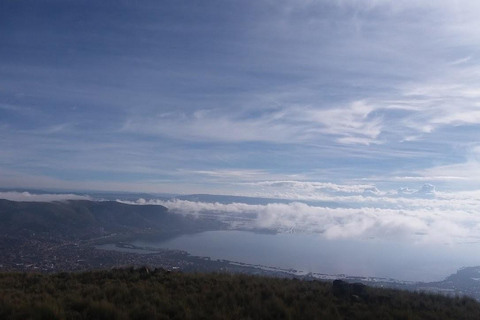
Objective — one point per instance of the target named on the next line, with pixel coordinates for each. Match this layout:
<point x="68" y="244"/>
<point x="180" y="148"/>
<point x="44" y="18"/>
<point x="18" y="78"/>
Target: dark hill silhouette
<point x="66" y="216"/>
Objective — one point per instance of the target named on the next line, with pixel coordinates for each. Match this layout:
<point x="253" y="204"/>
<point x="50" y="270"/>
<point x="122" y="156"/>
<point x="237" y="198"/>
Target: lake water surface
<point x="314" y="253"/>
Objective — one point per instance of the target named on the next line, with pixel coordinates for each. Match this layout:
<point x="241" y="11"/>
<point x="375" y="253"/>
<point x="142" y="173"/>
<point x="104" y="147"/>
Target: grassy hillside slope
<point x="140" y="294"/>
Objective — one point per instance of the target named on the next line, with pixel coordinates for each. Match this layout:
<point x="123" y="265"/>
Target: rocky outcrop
<point x="342" y="288"/>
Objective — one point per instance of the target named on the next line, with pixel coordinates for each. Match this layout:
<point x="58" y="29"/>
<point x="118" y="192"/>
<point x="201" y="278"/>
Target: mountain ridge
<point x="70" y="215"/>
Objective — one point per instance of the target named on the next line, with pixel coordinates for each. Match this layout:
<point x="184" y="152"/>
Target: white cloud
<point x="466" y="173"/>
<point x="214" y="127"/>
<point x="342" y="193"/>
<point x="237" y="174"/>
<point x="352" y="124"/>
<point x="461" y="60"/>
<point x="425" y="224"/>
<point x="314" y="186"/>
<point x="32" y="197"/>
<point x="342" y="79"/>
<point x="411" y="109"/>
<point x="349" y="211"/>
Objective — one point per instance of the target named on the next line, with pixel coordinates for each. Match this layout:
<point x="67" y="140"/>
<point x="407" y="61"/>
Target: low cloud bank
<point x="421" y="225"/>
<point x="32" y="197"/>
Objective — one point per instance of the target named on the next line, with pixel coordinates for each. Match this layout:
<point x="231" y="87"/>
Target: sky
<point x="289" y="99"/>
<point x="367" y="111"/>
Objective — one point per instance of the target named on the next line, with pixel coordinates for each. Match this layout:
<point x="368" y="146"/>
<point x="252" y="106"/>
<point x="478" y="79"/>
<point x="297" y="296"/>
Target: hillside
<point x="76" y="215"/>
<point x="159" y="294"/>
<point x="466" y="280"/>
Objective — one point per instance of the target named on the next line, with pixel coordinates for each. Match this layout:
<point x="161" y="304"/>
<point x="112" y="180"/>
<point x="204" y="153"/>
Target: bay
<point x="313" y="253"/>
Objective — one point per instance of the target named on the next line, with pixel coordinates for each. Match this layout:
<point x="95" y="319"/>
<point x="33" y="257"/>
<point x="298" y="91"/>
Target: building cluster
<point x="51" y="253"/>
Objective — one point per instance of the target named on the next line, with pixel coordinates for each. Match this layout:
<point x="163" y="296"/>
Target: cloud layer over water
<point x="421" y="215"/>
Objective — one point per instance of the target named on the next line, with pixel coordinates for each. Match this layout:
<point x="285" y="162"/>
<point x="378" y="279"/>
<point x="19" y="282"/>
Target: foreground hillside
<point x="144" y="294"/>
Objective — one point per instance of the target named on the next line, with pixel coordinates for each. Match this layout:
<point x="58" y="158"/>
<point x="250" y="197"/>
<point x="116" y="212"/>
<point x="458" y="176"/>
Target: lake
<point x="313" y="253"/>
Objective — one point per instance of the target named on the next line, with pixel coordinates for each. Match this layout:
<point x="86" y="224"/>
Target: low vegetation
<point x="159" y="294"/>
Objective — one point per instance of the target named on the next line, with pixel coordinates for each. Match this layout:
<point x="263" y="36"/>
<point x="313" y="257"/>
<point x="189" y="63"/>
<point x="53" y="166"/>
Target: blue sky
<point x="270" y="98"/>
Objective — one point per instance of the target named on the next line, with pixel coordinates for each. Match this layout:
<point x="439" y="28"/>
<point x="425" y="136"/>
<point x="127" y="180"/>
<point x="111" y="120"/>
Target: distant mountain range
<point x="224" y="199"/>
<point x="208" y="198"/>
